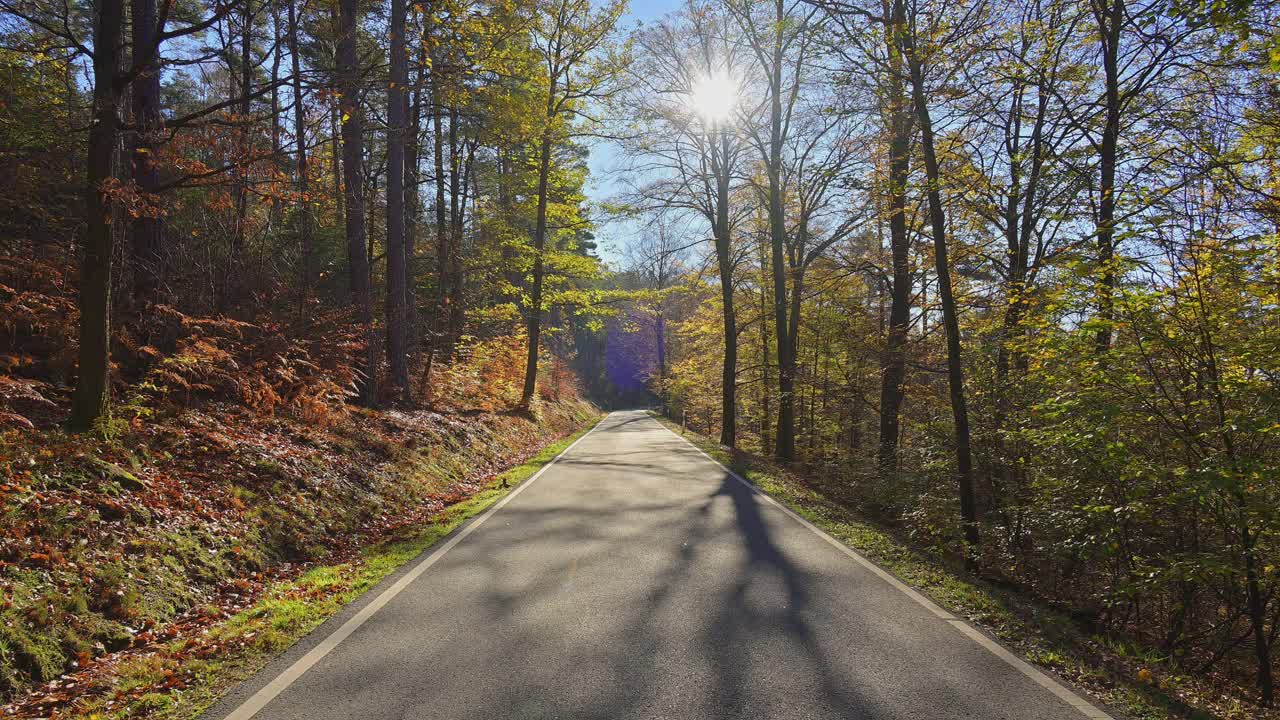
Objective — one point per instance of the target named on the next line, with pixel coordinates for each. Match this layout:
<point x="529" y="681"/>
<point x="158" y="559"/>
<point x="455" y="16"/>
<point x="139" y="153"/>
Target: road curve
<point x="636" y="578"/>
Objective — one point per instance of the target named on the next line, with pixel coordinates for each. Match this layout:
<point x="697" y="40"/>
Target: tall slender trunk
<point x="1256" y="603"/>
<point x="1110" y="17"/>
<point x="148" y="230"/>
<point x="506" y="205"/>
<point x="795" y="299"/>
<point x="1020" y="223"/>
<point x="353" y="183"/>
<point x="335" y="135"/>
<point x="534" y="321"/>
<point x="442" y="227"/>
<point x="766" y="440"/>
<point x="413" y="212"/>
<point x="785" y="443"/>
<point x="893" y="365"/>
<point x="724" y="262"/>
<point x="242" y="184"/>
<point x="397" y="267"/>
<point x="277" y="154"/>
<point x="812" y="429"/>
<point x="305" y="232"/>
<point x="459" y="169"/>
<point x="91" y="404"/>
<point x="660" y="335"/>
<point x="951" y="322"/>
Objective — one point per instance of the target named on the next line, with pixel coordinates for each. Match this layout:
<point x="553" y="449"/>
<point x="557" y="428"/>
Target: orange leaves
<point x="485" y="375"/>
<point x="258" y="366"/>
<point x="38" y="319"/>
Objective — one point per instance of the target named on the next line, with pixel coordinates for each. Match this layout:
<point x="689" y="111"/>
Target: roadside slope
<point x="111" y="550"/>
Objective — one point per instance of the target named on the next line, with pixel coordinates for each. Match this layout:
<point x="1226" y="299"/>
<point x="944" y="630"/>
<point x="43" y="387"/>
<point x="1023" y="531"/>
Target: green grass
<point x="196" y="676"/>
<point x="1040" y="635"/>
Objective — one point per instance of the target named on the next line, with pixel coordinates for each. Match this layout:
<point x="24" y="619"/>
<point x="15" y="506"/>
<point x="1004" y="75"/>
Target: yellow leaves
<point x="346" y="117"/>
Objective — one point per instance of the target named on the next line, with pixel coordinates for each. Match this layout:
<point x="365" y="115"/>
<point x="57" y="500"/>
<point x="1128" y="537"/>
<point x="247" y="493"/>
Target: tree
<point x="306" y="233"/>
<point x="397" y="260"/>
<point x="352" y="120"/>
<point x="658" y="259"/>
<point x="111" y="78"/>
<point x="695" y="157"/>
<point x="868" y="45"/>
<point x="91" y="405"/>
<point x="1026" y="189"/>
<point x="571" y="37"/>
<point x="950" y="317"/>
<point x="148" y="228"/>
<point x="780" y="41"/>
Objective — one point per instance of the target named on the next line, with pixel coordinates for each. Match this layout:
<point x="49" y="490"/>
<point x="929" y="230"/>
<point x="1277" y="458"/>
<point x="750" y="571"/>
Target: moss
<point x="114" y="473"/>
<point x="27" y="653"/>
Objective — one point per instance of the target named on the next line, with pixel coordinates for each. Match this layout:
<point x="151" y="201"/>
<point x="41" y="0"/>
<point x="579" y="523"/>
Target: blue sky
<point x="604" y="156"/>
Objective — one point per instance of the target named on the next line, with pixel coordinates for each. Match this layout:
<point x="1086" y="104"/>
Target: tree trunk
<point x="1110" y="16"/>
<point x="148" y="230"/>
<point x="352" y="119"/>
<point x="955" y="368"/>
<point x="277" y="153"/>
<point x="660" y="331"/>
<point x="893" y="366"/>
<point x="413" y="212"/>
<point x="785" y="442"/>
<point x="539" y="242"/>
<point x="795" y="298"/>
<point x="91" y="404"/>
<point x="397" y="267"/>
<point x="765" y="404"/>
<point x="729" y="368"/>
<point x="305" y="232"/>
<point x="724" y="261"/>
<point x="242" y="186"/>
<point x="1257" y="615"/>
<point x="442" y="226"/>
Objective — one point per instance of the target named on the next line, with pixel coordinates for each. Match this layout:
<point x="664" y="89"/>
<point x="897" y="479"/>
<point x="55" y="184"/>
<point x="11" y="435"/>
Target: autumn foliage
<point x="235" y="457"/>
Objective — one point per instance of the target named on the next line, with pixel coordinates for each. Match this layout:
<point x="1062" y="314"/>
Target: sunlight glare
<point x="713" y="98"/>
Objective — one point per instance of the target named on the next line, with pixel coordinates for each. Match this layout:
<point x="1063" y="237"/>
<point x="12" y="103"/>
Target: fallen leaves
<point x="220" y="492"/>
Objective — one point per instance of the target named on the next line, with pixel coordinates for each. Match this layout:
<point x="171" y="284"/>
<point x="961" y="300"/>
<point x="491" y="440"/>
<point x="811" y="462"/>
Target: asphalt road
<point x="636" y="578"/>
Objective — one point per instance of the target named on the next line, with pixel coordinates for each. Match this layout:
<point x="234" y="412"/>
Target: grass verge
<point x="1117" y="673"/>
<point x="181" y="679"/>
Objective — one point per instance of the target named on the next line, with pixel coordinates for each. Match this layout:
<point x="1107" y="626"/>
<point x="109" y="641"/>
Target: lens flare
<point x="713" y="98"/>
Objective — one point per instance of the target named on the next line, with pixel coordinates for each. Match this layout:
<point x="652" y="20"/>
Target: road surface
<point x="637" y="578"/>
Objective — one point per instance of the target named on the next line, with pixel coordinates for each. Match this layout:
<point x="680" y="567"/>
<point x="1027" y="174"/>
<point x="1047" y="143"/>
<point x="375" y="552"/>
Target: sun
<point x="713" y="98"/>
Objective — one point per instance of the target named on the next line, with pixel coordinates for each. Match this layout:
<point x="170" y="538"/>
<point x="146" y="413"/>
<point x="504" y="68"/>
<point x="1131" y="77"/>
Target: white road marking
<point x="1063" y="693"/>
<point x="290" y="674"/>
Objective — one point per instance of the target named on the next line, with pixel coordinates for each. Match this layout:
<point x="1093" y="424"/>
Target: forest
<point x="280" y="278"/>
